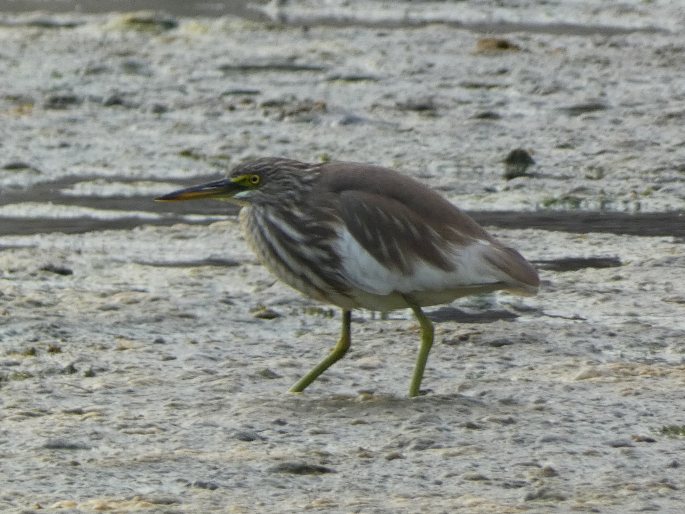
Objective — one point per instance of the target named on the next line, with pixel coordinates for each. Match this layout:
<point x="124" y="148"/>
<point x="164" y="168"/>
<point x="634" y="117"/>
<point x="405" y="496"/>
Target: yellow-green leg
<point x="336" y="354"/>
<point x="424" y="350"/>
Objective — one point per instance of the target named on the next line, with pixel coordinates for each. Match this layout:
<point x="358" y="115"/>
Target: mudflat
<point x="145" y="354"/>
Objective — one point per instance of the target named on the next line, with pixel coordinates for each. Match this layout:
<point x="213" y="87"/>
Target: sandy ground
<point x="146" y="369"/>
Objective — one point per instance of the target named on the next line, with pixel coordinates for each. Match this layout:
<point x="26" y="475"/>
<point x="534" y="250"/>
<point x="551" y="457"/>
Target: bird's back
<point x="399" y="236"/>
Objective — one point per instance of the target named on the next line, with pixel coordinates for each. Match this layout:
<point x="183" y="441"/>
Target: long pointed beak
<point x="224" y="189"/>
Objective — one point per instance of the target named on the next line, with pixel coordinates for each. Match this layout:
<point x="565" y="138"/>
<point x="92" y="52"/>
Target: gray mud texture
<point x="145" y="354"/>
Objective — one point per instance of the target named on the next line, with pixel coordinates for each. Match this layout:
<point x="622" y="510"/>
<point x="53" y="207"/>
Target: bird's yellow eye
<point x="254" y="180"/>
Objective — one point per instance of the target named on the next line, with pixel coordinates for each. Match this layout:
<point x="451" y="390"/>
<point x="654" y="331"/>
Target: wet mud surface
<point x="145" y="354"/>
<point x="632" y="223"/>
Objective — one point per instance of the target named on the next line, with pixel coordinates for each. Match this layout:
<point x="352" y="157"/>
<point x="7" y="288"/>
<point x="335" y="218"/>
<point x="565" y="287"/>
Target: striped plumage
<point x="362" y="236"/>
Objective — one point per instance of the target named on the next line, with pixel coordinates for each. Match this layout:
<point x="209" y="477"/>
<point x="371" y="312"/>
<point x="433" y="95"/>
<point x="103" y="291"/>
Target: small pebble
<point x="203" y="484"/>
<point x="69" y="369"/>
<point x="352" y="77"/>
<point x="268" y="374"/>
<point x="418" y="105"/>
<point x="578" y="109"/>
<point x="422" y="444"/>
<point x="495" y="44"/>
<point x="363" y="453"/>
<point x="113" y="101"/>
<point x="516" y="163"/>
<point x="548" y="471"/>
<point x="17" y="165"/>
<point x="642" y="438"/>
<point x="262" y="312"/>
<point x="502" y="420"/>
<point x="369" y="363"/>
<point x="471" y="425"/>
<point x="300" y="468"/>
<point x="514" y="484"/>
<point x="158" y="108"/>
<point x="544" y="493"/>
<point x="486" y="115"/>
<point x="553" y="438"/>
<point x="61" y="101"/>
<point x="498" y="343"/>
<point x="58" y="270"/>
<point x="589" y="372"/>
<point x="475" y="477"/>
<point x="147" y="21"/>
<point x="248" y="436"/>
<point x="620" y="443"/>
<point x="64" y="444"/>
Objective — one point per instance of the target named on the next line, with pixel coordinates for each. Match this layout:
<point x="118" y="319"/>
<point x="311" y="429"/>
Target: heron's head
<point x="260" y="181"/>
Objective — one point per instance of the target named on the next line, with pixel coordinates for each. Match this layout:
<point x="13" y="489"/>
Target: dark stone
<point x="204" y="484"/>
<point x="498" y="343"/>
<point x="154" y="22"/>
<point x="578" y="263"/>
<point x="544" y="493"/>
<point x="158" y="108"/>
<point x="261" y="312"/>
<point x="487" y="115"/>
<point x="418" y="105"/>
<point x="248" y="436"/>
<point x="471" y="425"/>
<point x="61" y="101"/>
<point x="113" y="101"/>
<point x="352" y="77"/>
<point x="300" y="468"/>
<point x="135" y="67"/>
<point x="17" y="165"/>
<point x="578" y="109"/>
<point x="241" y="92"/>
<point x="516" y="163"/>
<point x="59" y="270"/>
<point x="269" y="374"/>
<point x="423" y="444"/>
<point x="269" y="67"/>
<point x="63" y="444"/>
<point x="69" y="369"/>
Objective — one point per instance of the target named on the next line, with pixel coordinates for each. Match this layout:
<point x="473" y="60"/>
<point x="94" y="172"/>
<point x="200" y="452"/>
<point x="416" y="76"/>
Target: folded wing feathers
<point x="515" y="270"/>
<point x="404" y="225"/>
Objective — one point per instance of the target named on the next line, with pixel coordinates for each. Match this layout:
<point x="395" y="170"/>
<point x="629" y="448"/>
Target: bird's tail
<point x="516" y="271"/>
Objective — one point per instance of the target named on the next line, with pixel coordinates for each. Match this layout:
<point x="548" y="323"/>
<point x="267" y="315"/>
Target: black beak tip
<point x="164" y="198"/>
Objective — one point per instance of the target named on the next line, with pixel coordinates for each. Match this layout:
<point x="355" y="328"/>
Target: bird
<point x="362" y="236"/>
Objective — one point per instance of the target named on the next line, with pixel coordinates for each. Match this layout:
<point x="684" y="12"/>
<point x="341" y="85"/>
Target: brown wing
<point x="396" y="218"/>
<point x="392" y="233"/>
<point x="400" y="222"/>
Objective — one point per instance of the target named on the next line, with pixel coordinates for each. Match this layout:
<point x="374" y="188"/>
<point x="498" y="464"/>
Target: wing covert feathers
<point x="405" y="226"/>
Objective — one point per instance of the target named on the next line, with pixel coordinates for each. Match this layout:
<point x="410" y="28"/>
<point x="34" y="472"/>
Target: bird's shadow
<point x="364" y="404"/>
<point x="448" y="313"/>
